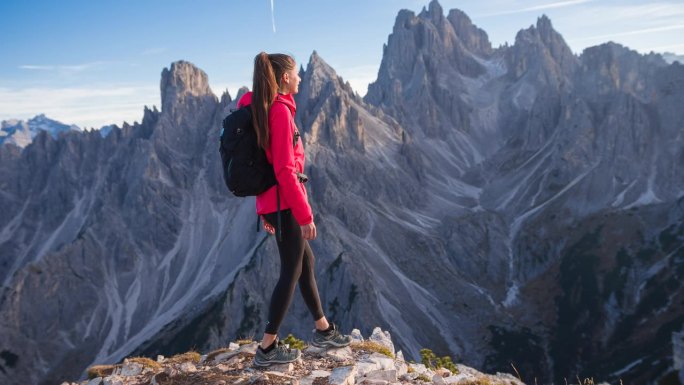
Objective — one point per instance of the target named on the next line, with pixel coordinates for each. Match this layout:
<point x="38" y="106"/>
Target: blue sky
<point x="97" y="62"/>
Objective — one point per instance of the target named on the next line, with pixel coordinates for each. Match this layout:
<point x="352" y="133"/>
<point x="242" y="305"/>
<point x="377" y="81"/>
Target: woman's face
<point x="290" y="82"/>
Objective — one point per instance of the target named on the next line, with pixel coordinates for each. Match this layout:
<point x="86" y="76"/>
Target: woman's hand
<point x="267" y="226"/>
<point x="309" y="231"/>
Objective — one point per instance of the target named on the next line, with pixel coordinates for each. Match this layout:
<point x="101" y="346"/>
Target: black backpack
<point x="246" y="170"/>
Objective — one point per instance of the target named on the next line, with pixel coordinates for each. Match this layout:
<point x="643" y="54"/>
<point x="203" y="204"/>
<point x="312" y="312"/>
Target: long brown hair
<point x="268" y="72"/>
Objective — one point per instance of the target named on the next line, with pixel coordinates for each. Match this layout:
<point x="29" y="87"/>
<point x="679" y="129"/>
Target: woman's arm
<point x="282" y="136"/>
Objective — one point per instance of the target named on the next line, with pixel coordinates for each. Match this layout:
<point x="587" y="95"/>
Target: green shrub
<point x="294" y="342"/>
<point x="430" y="360"/>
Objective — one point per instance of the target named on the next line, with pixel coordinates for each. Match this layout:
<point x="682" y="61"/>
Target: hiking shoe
<point x="280" y="354"/>
<point x="330" y="339"/>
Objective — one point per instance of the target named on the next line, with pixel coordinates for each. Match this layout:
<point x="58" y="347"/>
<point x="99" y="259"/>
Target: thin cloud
<point x="671" y="47"/>
<point x="94" y="106"/>
<point x="631" y="33"/>
<point x="35" y="67"/>
<point x="542" y="7"/>
<point x="65" y="68"/>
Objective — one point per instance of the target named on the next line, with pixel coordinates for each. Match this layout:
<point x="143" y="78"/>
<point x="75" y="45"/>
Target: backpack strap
<point x="280" y="233"/>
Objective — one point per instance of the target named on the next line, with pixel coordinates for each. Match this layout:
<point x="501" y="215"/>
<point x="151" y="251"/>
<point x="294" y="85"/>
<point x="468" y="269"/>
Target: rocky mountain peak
<point x="611" y="67"/>
<point x="474" y="38"/>
<point x="544" y="25"/>
<point x="434" y="12"/>
<point x="542" y="45"/>
<point x="325" y="95"/>
<point x="319" y="74"/>
<point x="181" y="80"/>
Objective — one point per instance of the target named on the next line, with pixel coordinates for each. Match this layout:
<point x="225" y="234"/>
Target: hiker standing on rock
<point x="275" y="82"/>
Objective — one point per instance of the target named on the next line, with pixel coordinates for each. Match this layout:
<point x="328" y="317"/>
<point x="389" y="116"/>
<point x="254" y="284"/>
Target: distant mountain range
<point x="21" y="133"/>
<point x="519" y="204"/>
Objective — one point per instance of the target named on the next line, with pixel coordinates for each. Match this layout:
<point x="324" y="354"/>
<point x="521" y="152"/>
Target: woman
<point x="275" y="82"/>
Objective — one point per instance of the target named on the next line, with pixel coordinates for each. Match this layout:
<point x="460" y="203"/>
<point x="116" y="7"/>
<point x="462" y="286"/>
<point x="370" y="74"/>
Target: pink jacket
<point x="286" y="159"/>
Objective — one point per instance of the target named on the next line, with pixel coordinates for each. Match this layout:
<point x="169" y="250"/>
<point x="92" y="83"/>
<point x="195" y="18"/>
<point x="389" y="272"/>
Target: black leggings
<point x="296" y="264"/>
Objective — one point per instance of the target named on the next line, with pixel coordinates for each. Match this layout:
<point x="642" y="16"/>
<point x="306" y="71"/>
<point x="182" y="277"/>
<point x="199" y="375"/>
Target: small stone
<point x="278" y="374"/>
<point x="383" y="338"/>
<point x="382" y="361"/>
<point x="225" y="356"/>
<point x="233" y="346"/>
<point x="438" y="380"/>
<point x="356" y="335"/>
<point x="401" y="367"/>
<point x="223" y="367"/>
<point x="160" y="358"/>
<point x="95" y="381"/>
<point x="131" y="368"/>
<point x="363" y="367"/>
<point x="385" y="375"/>
<point x="283" y="368"/>
<point x="371" y="381"/>
<point x="444" y="372"/>
<point x="340" y="354"/>
<point x="418" y="368"/>
<point x="342" y="376"/>
<point x="113" y="380"/>
<point x="456" y="379"/>
<point x="315" y="350"/>
<point x="320" y="373"/>
<point x="400" y="356"/>
<point x="188" y="367"/>
<point x="241" y="381"/>
<point x="249" y="348"/>
<point x="257" y="377"/>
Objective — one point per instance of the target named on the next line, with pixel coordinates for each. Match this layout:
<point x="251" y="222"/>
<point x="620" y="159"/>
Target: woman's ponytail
<point x="268" y="70"/>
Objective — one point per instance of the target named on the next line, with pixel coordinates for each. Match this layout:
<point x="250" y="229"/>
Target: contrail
<point x="272" y="16"/>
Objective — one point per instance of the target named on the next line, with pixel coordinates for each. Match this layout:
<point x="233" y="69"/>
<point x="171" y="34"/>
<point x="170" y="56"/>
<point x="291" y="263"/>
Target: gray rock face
<point x="519" y="204"/>
<point x="97" y="235"/>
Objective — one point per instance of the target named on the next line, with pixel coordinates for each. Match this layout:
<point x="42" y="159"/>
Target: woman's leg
<point x="309" y="289"/>
<point x="291" y="250"/>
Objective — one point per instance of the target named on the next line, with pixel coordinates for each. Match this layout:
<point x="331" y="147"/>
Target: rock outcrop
<point x="363" y="362"/>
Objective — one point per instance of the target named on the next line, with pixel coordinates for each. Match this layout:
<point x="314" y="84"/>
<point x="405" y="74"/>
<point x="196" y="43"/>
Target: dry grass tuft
<point x="423" y="378"/>
<point x="100" y="371"/>
<point x="245" y="341"/>
<point x="188" y="356"/>
<point x="371" y="346"/>
<point x="477" y="381"/>
<point x="146" y="362"/>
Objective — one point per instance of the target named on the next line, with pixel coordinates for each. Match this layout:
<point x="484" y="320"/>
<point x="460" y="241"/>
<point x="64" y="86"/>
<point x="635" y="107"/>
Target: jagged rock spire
<point x="181" y="80"/>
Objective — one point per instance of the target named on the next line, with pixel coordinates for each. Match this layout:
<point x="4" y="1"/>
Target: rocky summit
<point x="516" y="205"/>
<point x="371" y="362"/>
